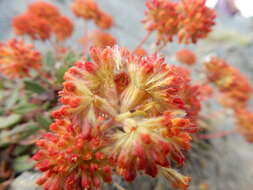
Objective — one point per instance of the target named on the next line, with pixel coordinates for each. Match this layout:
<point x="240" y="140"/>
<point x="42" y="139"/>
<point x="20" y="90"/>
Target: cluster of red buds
<point x="89" y="10"/>
<point x="123" y="113"/>
<point x="186" y="56"/>
<point x="71" y="155"/>
<point x="234" y="87"/>
<point x="18" y="58"/>
<point x="41" y="20"/>
<point x="99" y="39"/>
<point x="190" y="20"/>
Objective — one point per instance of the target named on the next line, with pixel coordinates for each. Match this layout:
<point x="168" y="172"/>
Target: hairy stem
<point x="216" y="135"/>
<point x="143" y="40"/>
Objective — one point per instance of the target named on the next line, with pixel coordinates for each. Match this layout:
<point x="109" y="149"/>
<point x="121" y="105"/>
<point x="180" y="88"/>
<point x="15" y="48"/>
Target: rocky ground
<point x="228" y="164"/>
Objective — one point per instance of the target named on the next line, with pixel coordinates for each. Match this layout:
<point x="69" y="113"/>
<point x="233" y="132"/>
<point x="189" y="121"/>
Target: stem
<point x="160" y="48"/>
<point x="216" y="135"/>
<point x="86" y="35"/>
<point x="86" y="29"/>
<point x="118" y="186"/>
<point x="143" y="40"/>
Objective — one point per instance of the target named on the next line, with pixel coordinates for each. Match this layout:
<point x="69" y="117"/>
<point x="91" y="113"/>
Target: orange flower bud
<point x="186" y="57"/>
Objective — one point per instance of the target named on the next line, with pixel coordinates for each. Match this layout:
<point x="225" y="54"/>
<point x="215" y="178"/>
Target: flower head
<point x="234" y="87"/>
<point x="44" y="10"/>
<point x="86" y="9"/>
<point x="63" y="28"/>
<point x="186" y="56"/>
<point x="162" y="17"/>
<point x="33" y="26"/>
<point x="89" y="10"/>
<point x="18" y="58"/>
<point x="99" y="38"/>
<point x="104" y="20"/>
<point x="143" y="101"/>
<point x="71" y="156"/>
<point x="41" y="20"/>
<point x="196" y="20"/>
<point x="244" y="120"/>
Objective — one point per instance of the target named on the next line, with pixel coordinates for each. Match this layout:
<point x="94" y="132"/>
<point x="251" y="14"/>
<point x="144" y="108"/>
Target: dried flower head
<point x="144" y="103"/>
<point x="162" y="17"/>
<point x="195" y="20"/>
<point x="71" y="156"/>
<point x="234" y="87"/>
<point x="245" y="123"/>
<point x="186" y="56"/>
<point x="18" y="58"/>
<point x="86" y="9"/>
<point x="63" y="28"/>
<point x="33" y="26"/>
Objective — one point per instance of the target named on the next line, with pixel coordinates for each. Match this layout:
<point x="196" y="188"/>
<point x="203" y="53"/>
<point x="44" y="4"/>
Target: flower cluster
<point x="196" y="20"/>
<point x="234" y="87"/>
<point x="139" y="109"/>
<point x="245" y="119"/>
<point x="99" y="38"/>
<point x="41" y="20"/>
<point x="89" y="10"/>
<point x="190" y="20"/>
<point x="162" y="17"/>
<point x="18" y="58"/>
<point x="71" y="155"/>
<point x="186" y="56"/>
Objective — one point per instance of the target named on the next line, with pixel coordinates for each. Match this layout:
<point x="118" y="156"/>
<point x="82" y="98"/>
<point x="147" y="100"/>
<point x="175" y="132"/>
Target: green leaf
<point x="43" y="121"/>
<point x="60" y="73"/>
<point x="34" y="87"/>
<point x="12" y="99"/>
<point x="9" y="121"/>
<point x="29" y="131"/>
<point x="46" y="105"/>
<point x="18" y="133"/>
<point x="71" y="58"/>
<point x="49" y="59"/>
<point x="23" y="163"/>
<point x="20" y="149"/>
<point x="1" y="84"/>
<point x="24" y="108"/>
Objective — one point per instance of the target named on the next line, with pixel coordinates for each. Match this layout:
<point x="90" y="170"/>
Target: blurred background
<point x="228" y="164"/>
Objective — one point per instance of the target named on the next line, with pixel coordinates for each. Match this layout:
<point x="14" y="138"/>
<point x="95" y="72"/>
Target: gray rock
<point x="26" y="181"/>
